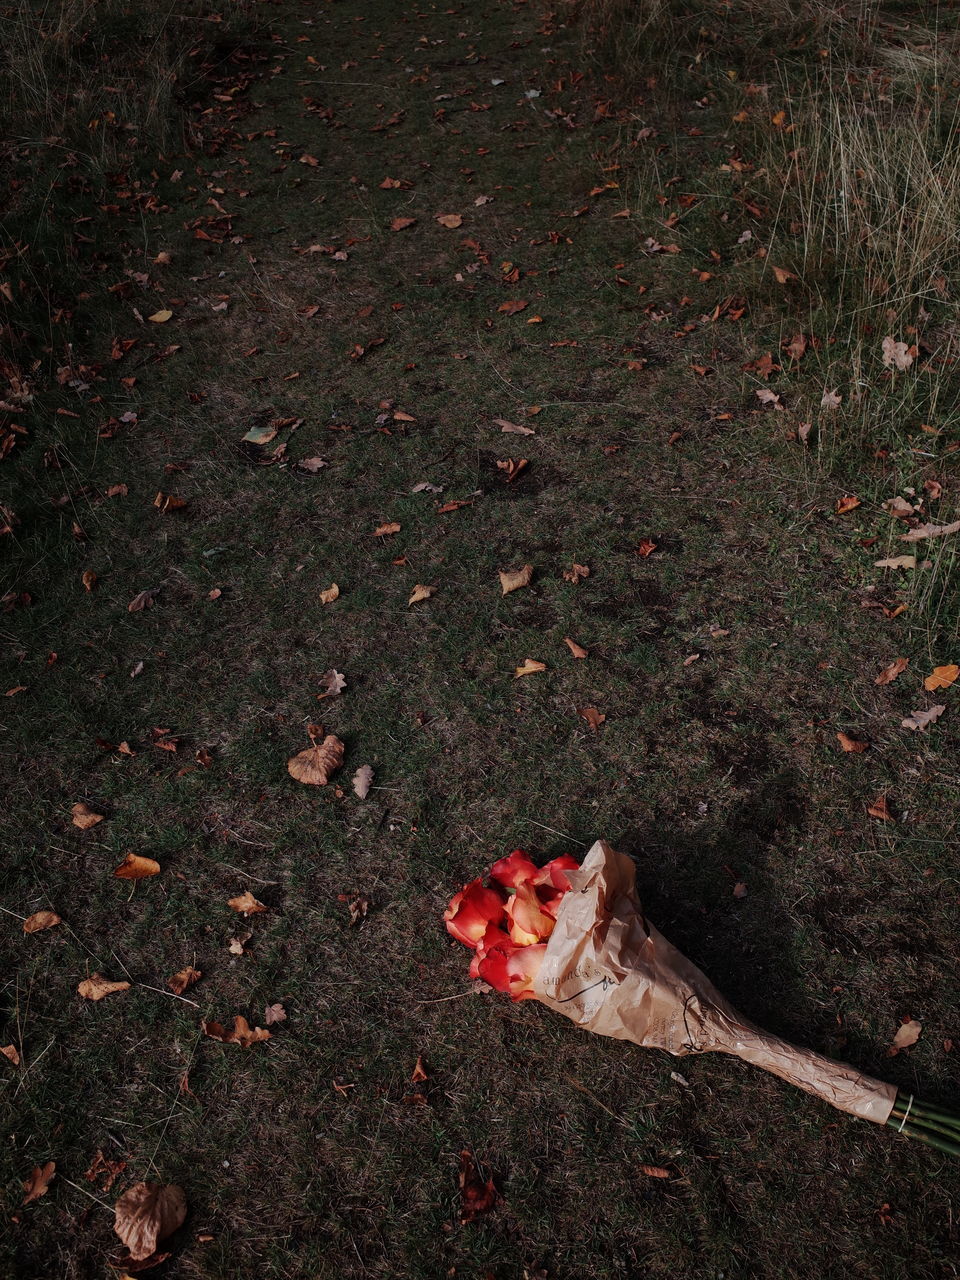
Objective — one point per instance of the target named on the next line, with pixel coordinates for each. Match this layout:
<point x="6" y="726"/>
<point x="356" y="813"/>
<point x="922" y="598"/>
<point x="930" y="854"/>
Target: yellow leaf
<point x="530" y="667"/>
<point x="330" y="594"/>
<point x="97" y="986"/>
<point x="450" y="220"/>
<point x="246" y="903"/>
<point x="160" y="317"/>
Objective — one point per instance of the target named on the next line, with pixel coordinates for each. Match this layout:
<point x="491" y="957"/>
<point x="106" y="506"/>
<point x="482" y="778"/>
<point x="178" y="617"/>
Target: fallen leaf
<point x="330" y="594"/>
<point x="654" y="1171"/>
<point x="10" y="1051"/>
<point x="476" y="1196"/>
<point x="41" y="920"/>
<point x="930" y="531"/>
<point x="766" y="396"/>
<point x="315" y="765"/>
<point x="449" y="220"/>
<point x="236" y="946"/>
<point x="830" y="400"/>
<point x="513" y="307"/>
<point x="312" y="465"/>
<point x="420" y="592"/>
<point x="506" y="425"/>
<point x="242" y="1034"/>
<point x="512" y="467"/>
<point x="899" y="507"/>
<point x="274" y="1013"/>
<point x="384" y="530"/>
<point x="847" y="503"/>
<point x="530" y="667"/>
<point x="160" y="317"/>
<point x="880" y="809"/>
<point x="135" y="867"/>
<point x="358" y="908"/>
<point x="941" y="677"/>
<point x="921" y="719"/>
<point x="897" y="355"/>
<point x="146" y="1214"/>
<point x="908" y="1033"/>
<point x="577" y="650"/>
<point x="782" y="274"/>
<point x="88" y="578"/>
<point x="97" y="986"/>
<point x="851" y="744"/>
<point x="514" y="579"/>
<point x="896" y="562"/>
<point x="143" y="600"/>
<point x="40" y="1178"/>
<point x="246" y="904"/>
<point x="646" y="548"/>
<point x="183" y="979"/>
<point x="401" y="224"/>
<point x="362" y="781"/>
<point x="106" y="1170"/>
<point x="85" y="818"/>
<point x="333" y="683"/>
<point x="593" y="717"/>
<point x="892" y="671"/>
<point x="576" y="573"/>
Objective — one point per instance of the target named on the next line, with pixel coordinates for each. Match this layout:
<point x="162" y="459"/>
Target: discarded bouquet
<point x="576" y="939"/>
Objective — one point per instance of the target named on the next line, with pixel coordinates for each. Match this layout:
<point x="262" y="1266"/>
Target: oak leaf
<point x="830" y="400"/>
<point x="84" y="817"/>
<point x="136" y="867"/>
<point x="146" y="1214"/>
<point x="242" y="1034"/>
<point x="40" y="1178"/>
<point x="922" y="719"/>
<point x="892" y="671"/>
<point x="183" y="979"/>
<point x="896" y="562"/>
<point x="41" y="920"/>
<point x="593" y="717"/>
<point x="930" y="531"/>
<point x="274" y="1013"/>
<point x="576" y="573"/>
<point x="315" y="765"/>
<point x="333" y="683"/>
<point x="514" y="579"/>
<point x="941" y="677"/>
<point x="97" y="986"/>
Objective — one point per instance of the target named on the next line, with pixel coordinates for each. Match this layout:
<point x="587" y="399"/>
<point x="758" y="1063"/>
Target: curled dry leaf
<point x="768" y="397"/>
<point x="880" y="809"/>
<point x="143" y="600"/>
<point x="513" y="307"/>
<point x="88" y="578"/>
<point x="385" y="530"/>
<point x="449" y="220"/>
<point x="330" y="594"/>
<point x="530" y="667"/>
<point x="851" y="744"/>
<point x="655" y="1170"/>
<point x="40" y="1178"/>
<point x="246" y="904"/>
<point x="315" y="765"/>
<point x="97" y="986"/>
<point x="333" y="683"/>
<point x="577" y="650"/>
<point x="899" y="507"/>
<point x="897" y="355"/>
<point x="646" y="548"/>
<point x="930" y="531"/>
<point x="512" y="427"/>
<point x="401" y="224"/>
<point x="362" y="781"/>
<point x="41" y="920"/>
<point x="84" y="817"/>
<point x="849" y="502"/>
<point x="146" y="1214"/>
<point x="420" y="592"/>
<point x="830" y="400"/>
<point x="892" y="671"/>
<point x="136" y="867"/>
<point x="185" y="978"/>
<point x="908" y="1033"/>
<point x="576" y="573"/>
<point x="922" y="719"/>
<point x="242" y="1034"/>
<point x="476" y="1195"/>
<point x="514" y="579"/>
<point x="941" y="677"/>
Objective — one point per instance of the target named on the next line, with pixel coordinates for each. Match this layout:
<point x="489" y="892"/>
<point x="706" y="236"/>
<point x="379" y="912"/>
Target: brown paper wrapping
<point x="610" y="971"/>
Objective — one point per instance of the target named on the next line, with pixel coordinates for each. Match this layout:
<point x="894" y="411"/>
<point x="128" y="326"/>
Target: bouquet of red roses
<point x="576" y="939"/>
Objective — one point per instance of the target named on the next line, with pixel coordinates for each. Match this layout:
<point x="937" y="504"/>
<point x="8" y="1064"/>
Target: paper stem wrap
<point x="611" y="972"/>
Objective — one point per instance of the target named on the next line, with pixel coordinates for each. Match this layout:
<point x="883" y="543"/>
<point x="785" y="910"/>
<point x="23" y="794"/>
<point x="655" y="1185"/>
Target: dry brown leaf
<point x="851" y="744"/>
<point x="512" y="467"/>
<point x="84" y="817"/>
<point x="897" y="355"/>
<point x="183" y="979"/>
<point x="97" y="986"/>
<point x="242" y="1034"/>
<point x="420" y="592"/>
<point x="161" y="317"/>
<point x="312" y="465"/>
<point x="514" y="579"/>
<point x="577" y="650"/>
<point x="782" y="274"/>
<point x="41" y="920"/>
<point x="646" y="548"/>
<point x="530" y="667"/>
<point x="476" y="1195"/>
<point x="333" y="683"/>
<point x="849" y="502"/>
<point x="880" y="809"/>
<point x="899" y="507"/>
<point x="892" y="671"/>
<point x="358" y="908"/>
<point x="88" y="578"/>
<point x="941" y="677"/>
<point x="362" y="781"/>
<point x="330" y="594"/>
<point x="576" y="573"/>
<point x="908" y="1033"/>
<point x="146" y="1214"/>
<point x="401" y="224"/>
<point x="896" y="562"/>
<point x="593" y="717"/>
<point x="506" y="425"/>
<point x="143" y="600"/>
<point x="513" y="307"/>
<point x="274" y="1013"/>
<point x="930" y="531"/>
<point x="385" y="530"/>
<point x="246" y="904"/>
<point x="419" y="1072"/>
<point x="830" y="400"/>
<point x="10" y="1051"/>
<point x="40" y="1178"/>
<point x="766" y="396"/>
<point x="449" y="220"/>
<point x="136" y="867"/>
<point x="315" y="765"/>
<point x="922" y="719"/>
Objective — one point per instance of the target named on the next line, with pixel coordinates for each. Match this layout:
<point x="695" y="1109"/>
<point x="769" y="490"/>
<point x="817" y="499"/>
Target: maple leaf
<point x="577" y="650"/>
<point x="908" y="1033"/>
<point x="420" y="592"/>
<point x="146" y="1214"/>
<point x="530" y="667"/>
<point x="135" y="867"/>
<point x="851" y="744"/>
<point x="84" y="817"/>
<point x="39" y="1180"/>
<point x="329" y="594"/>
<point x="274" y="1013"/>
<point x="476" y="1196"/>
<point x="333" y="683"/>
<point x="941" y="677"/>
<point x="315" y="765"/>
<point x="242" y="1034"/>
<point x="892" y="671"/>
<point x="897" y="355"/>
<point x="514" y="579"/>
<point x="922" y="719"/>
<point x="97" y="986"/>
<point x="183" y="979"/>
<point x="41" y="920"/>
<point x="246" y="904"/>
<point x="362" y="781"/>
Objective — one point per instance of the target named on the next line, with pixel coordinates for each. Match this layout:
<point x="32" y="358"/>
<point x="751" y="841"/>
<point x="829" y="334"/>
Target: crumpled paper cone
<point x="611" y="972"/>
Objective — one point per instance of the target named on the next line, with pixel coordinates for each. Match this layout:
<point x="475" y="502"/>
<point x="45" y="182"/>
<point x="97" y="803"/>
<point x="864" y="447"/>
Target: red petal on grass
<point x="472" y="911"/>
<point x="512" y="969"/>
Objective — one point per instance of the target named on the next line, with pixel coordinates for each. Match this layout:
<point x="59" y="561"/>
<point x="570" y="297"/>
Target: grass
<point x="309" y="1154"/>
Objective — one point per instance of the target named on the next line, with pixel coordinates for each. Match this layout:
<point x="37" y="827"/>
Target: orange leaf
<point x="477" y="1196"/>
<point x="246" y="903"/>
<point x="330" y="594"/>
<point x="880" y="809"/>
<point x="401" y="224"/>
<point x="851" y="744"/>
<point x="384" y="530"/>
<point x="513" y="307"/>
<point x="530" y="667"/>
<point x="654" y="1171"/>
<point x="315" y="765"/>
<point x="892" y="671"/>
<point x="847" y="503"/>
<point x="449" y="220"/>
<point x="941" y="677"/>
<point x="514" y="579"/>
<point x="41" y="920"/>
<point x="577" y="650"/>
<point x="242" y="1034"/>
<point x="40" y="1178"/>
<point x="183" y="979"/>
<point x="10" y="1051"/>
<point x="84" y="817"/>
<point x="646" y="547"/>
<point x="593" y="717"/>
<point x="135" y="867"/>
<point x="97" y="986"/>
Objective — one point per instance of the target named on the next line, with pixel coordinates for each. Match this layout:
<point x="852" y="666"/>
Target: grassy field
<point x="636" y="197"/>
